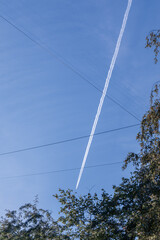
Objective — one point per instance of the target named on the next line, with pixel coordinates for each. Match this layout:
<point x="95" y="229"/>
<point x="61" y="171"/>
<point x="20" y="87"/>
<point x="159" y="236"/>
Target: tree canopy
<point x="28" y="223"/>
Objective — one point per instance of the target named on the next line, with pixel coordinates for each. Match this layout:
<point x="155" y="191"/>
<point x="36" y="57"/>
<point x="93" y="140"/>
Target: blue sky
<point x="43" y="101"/>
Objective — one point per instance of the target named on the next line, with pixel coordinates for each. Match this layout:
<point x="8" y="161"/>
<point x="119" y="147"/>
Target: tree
<point x="139" y="197"/>
<point x="89" y="217"/>
<point x="29" y="223"/>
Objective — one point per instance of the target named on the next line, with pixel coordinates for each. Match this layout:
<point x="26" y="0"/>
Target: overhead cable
<point x="59" y="171"/>
<point x="65" y="140"/>
<point x="66" y="63"/>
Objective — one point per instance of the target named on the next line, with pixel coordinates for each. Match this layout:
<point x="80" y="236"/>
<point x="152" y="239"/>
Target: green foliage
<point x="28" y="223"/>
<point x="89" y="217"/>
<point x="139" y="197"/>
<point x="153" y="40"/>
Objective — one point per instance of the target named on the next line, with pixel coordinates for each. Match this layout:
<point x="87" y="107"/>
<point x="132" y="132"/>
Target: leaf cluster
<point x="153" y="40"/>
<point x="28" y="223"/>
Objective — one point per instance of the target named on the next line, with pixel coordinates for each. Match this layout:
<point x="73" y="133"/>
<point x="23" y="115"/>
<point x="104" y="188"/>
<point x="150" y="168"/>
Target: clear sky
<point x="42" y="101"/>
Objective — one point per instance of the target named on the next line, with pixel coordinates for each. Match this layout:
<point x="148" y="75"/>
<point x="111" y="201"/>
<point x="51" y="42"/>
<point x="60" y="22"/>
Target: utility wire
<point x="65" y="63"/>
<point x="122" y="107"/>
<point x="52" y="53"/>
<point x="65" y="141"/>
<point x="59" y="171"/>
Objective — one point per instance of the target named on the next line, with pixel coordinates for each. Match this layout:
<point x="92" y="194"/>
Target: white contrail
<point x="105" y="89"/>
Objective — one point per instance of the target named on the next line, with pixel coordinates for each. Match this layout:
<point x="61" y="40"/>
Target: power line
<point x="59" y="171"/>
<point x="53" y="53"/>
<point x="65" y="141"/>
<point x="65" y="63"/>
<point x="113" y="100"/>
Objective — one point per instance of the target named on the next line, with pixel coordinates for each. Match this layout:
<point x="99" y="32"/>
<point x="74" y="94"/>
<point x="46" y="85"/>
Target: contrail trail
<point x="105" y="89"/>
